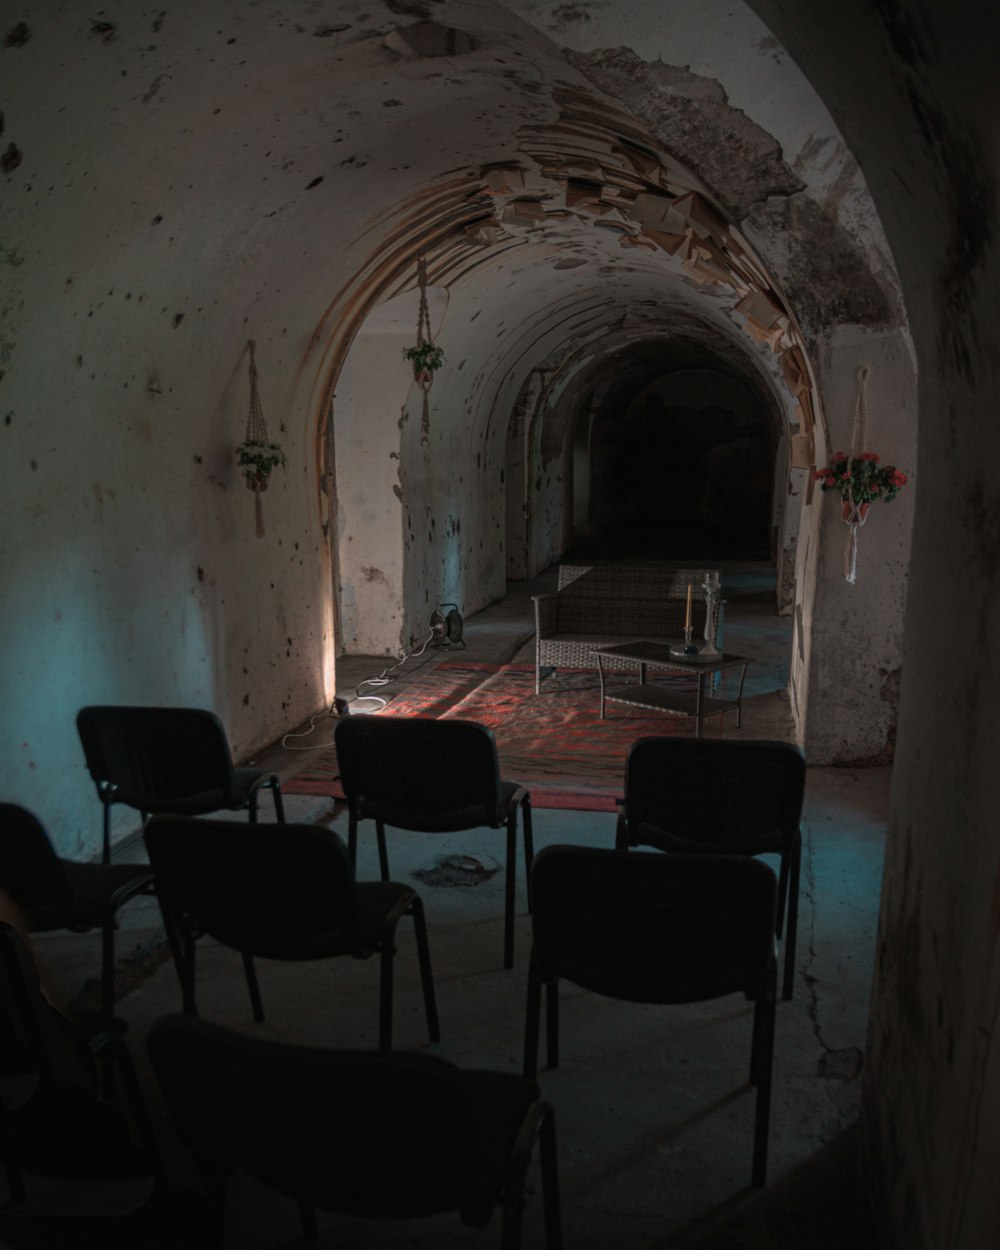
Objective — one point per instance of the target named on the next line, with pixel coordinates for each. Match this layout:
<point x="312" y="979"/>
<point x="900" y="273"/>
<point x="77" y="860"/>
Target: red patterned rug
<point x="554" y="743"/>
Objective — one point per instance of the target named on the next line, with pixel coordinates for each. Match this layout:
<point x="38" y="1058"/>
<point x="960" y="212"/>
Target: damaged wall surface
<point x="806" y="189"/>
<point x="191" y="179"/>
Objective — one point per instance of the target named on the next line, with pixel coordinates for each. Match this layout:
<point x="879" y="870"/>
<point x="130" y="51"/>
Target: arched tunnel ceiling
<point x="532" y="173"/>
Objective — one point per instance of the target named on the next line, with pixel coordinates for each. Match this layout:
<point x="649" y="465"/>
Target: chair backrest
<point x="652" y="928"/>
<point x="414" y="772"/>
<point x="281" y="891"/>
<point x="30" y="871"/>
<point x="705" y="793"/>
<point x="151" y="757"/>
<point x="362" y="1133"/>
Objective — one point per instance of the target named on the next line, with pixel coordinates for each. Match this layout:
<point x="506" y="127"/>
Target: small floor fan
<point x="446" y="626"/>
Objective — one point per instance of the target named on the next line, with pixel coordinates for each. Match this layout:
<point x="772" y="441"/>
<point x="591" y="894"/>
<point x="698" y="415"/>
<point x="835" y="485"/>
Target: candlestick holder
<point x="687" y="650"/>
<point x="711" y="588"/>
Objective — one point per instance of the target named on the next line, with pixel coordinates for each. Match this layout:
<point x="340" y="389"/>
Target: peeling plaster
<point x="691" y="118"/>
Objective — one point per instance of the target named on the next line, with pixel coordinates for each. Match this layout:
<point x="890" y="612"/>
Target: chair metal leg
<point x="108" y="966"/>
<point x="552" y="1023"/>
<point x="782" y="897"/>
<point x="383" y="854"/>
<point x="252" y="808"/>
<point x="352" y="840"/>
<point x="186" y="971"/>
<point x="550" y="1181"/>
<point x="529" y="845"/>
<point x="426" y="975"/>
<point x="118" y="1054"/>
<point x="385" y="991"/>
<point x="252" y="985"/>
<point x="532" y="1019"/>
<point x="106" y="839"/>
<point x="279" y="802"/>
<point x="763" y="1066"/>
<point x="792" y="922"/>
<point x="510" y="890"/>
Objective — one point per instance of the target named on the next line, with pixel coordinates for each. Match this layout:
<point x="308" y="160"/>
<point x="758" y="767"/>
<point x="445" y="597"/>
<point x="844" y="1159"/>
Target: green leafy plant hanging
<point x="424" y="357"/>
<point x="259" y="460"/>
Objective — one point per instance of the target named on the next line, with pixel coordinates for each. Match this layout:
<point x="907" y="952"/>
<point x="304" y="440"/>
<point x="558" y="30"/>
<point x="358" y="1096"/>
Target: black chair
<point x="52" y="893"/>
<point x="168" y="760"/>
<point x="650" y="928"/>
<point x="431" y="776"/>
<point x="54" y="1127"/>
<point x="701" y="796"/>
<point x="357" y="1133"/>
<point x="278" y="892"/>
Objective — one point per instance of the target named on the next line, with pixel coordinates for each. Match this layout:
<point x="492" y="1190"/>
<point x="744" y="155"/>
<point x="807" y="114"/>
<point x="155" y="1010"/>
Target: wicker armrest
<point x="546" y="614"/>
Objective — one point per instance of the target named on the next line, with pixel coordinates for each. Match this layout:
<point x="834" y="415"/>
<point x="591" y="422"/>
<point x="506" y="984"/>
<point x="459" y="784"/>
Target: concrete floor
<point x="653" y="1112"/>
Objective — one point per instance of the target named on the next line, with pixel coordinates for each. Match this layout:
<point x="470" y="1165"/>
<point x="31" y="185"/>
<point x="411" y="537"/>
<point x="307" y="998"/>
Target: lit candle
<point x="687" y="617"/>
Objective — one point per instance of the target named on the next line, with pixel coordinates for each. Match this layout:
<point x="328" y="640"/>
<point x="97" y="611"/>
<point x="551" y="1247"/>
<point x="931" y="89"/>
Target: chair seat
<point x="374" y="900"/>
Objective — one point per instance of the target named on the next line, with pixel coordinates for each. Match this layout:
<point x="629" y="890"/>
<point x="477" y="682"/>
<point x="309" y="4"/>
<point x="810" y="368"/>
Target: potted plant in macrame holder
<point x="259" y="460"/>
<point x="425" y="358"/>
<point x="860" y="480"/>
<point x="257" y="456"/>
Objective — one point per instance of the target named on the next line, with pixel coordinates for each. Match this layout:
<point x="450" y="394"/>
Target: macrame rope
<point x="423" y="315"/>
<point x="859" y="441"/>
<point x="256" y="432"/>
<point x="256" y="426"/>
<point x="424" y="336"/>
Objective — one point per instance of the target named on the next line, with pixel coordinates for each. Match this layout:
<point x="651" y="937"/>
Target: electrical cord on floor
<point x="383" y="679"/>
<point x="339" y="707"/>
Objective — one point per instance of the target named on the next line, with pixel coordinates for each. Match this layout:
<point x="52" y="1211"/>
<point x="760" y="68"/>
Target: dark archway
<point x="682" y="456"/>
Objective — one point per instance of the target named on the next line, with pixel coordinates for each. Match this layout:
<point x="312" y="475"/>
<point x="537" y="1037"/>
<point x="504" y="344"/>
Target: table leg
<point x="739" y="698"/>
<point x="600" y="670"/>
<point x="698" y="705"/>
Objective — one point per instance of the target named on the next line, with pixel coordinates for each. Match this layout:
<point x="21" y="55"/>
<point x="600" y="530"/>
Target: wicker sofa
<point x="600" y="604"/>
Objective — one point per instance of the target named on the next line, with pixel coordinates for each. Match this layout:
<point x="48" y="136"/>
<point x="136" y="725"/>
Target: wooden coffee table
<point x="696" y="703"/>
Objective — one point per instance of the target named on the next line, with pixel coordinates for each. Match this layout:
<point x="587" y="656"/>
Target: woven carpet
<point x="554" y="743"/>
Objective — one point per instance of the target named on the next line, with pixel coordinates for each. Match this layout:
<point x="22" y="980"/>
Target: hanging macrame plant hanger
<point x="424" y="375"/>
<point x="853" y="513"/>
<point x="258" y="455"/>
<point x="425" y="357"/>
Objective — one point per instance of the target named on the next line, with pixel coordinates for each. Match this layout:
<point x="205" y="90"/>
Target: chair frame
<point x="322" y="850"/>
<point x="669" y="802"/>
<point x="79" y="1050"/>
<point x="61" y="881"/>
<point x="622" y="913"/>
<point x="179" y="1045"/>
<point x="392" y="771"/>
<point x="120" y="747"/>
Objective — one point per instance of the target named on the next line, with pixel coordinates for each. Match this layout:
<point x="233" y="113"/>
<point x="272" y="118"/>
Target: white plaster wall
<point x="857" y="627"/>
<point x="193" y="179"/>
<point x="372" y="391"/>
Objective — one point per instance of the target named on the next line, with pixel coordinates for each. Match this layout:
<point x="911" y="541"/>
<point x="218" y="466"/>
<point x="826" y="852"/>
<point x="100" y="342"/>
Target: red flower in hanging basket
<point x="861" y="480"/>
